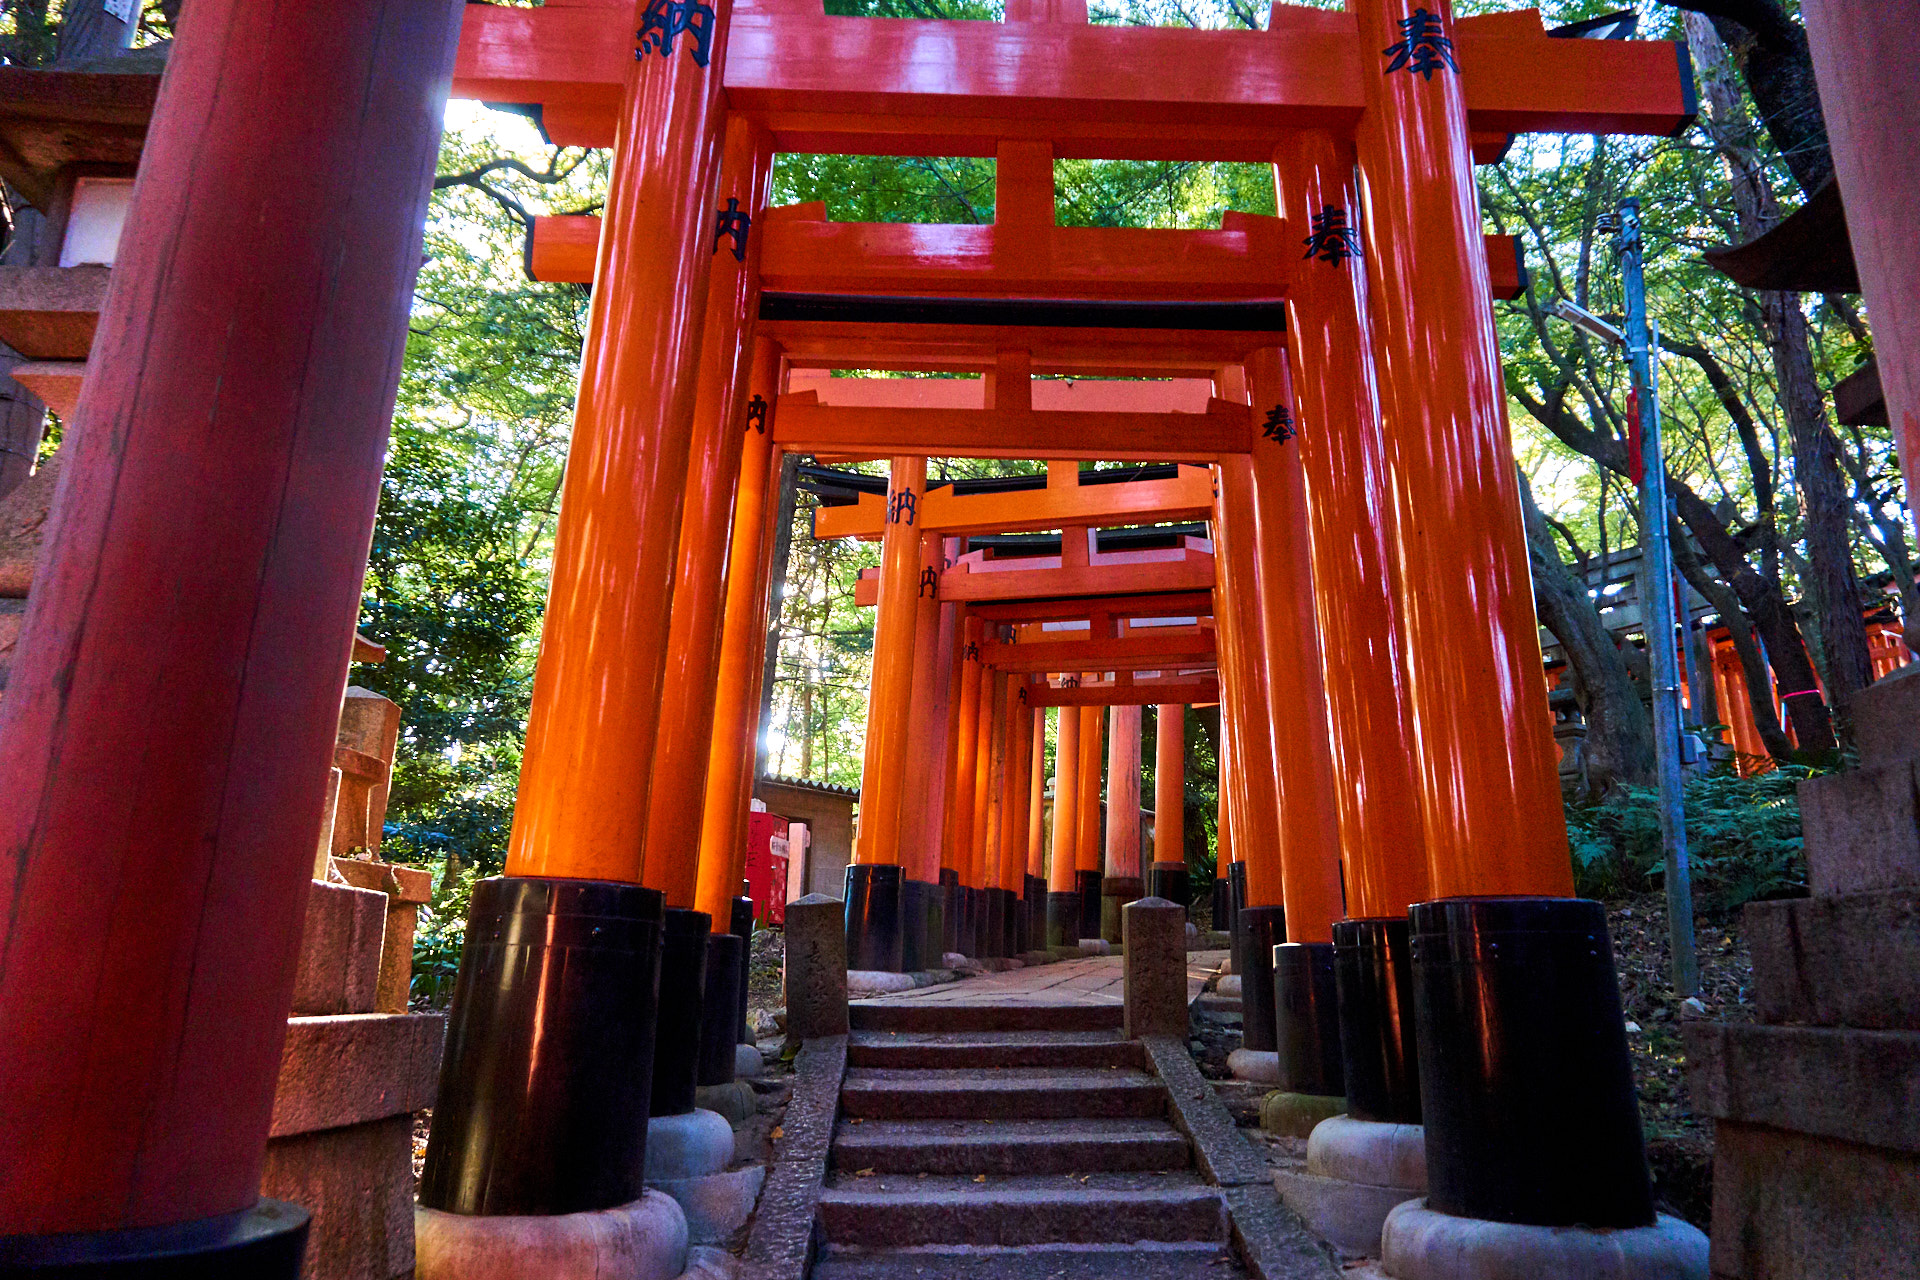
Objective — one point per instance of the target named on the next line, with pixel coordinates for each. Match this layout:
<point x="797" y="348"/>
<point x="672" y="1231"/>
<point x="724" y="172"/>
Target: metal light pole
<point x="1662" y="636"/>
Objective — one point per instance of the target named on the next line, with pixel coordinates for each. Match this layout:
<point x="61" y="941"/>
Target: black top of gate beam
<point x="1033" y="313"/>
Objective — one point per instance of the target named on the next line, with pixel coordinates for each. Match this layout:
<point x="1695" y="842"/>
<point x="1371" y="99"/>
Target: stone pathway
<point x="1003" y="1127"/>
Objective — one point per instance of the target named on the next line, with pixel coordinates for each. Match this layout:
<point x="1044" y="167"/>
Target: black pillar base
<point x="993" y="920"/>
<point x="950" y="910"/>
<point x="1373" y="971"/>
<point x="683" y="1001"/>
<point x="265" y="1242"/>
<point x="1223" y="907"/>
<point x="1063" y="919"/>
<point x="723" y="996"/>
<point x="1236" y="903"/>
<point x="1525" y="1081"/>
<point x="1306" y="1013"/>
<point x="742" y="928"/>
<point x="545" y="1083"/>
<point x="1009" y="921"/>
<point x="1036" y="913"/>
<point x="1089" y="883"/>
<point x="1168" y="880"/>
<point x="919" y="907"/>
<point x="874" y="934"/>
<point x="976" y="931"/>
<point x="1261" y="929"/>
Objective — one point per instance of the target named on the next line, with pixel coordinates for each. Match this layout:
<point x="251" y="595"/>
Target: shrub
<point x="1743" y="840"/>
<point x="437" y="940"/>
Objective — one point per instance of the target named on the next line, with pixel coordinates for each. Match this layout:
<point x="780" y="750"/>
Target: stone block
<point x="816" y="967"/>
<point x="735" y="1101"/>
<point x="1294" y="1115"/>
<point x="1347" y="1215"/>
<point x="357" y="1182"/>
<point x="1862" y="829"/>
<point x="717" y="1205"/>
<point x="1851" y="960"/>
<point x="1836" y="1082"/>
<point x="691" y="1145"/>
<point x="353" y="1068"/>
<point x="1794" y="1204"/>
<point x="340" y="948"/>
<point x="1255" y="1066"/>
<point x="49" y="313"/>
<point x="1155" y="990"/>
<point x="1886" y="717"/>
<point x="1367" y="1151"/>
<point x="644" y="1240"/>
<point x="406" y="888"/>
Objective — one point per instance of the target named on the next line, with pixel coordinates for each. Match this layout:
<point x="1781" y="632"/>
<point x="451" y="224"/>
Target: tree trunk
<point x="1619" y="734"/>
<point x="1753" y="663"/>
<point x="782" y="555"/>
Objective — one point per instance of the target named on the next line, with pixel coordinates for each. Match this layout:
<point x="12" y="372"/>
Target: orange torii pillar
<point x="1225" y="857"/>
<point x="875" y="880"/>
<point x="1167" y="878"/>
<point x="924" y="783"/>
<point x="689" y="997"/>
<point x="986" y="836"/>
<point x="166" y="736"/>
<point x="1014" y="820"/>
<point x="1034" y="890"/>
<point x="1259" y="908"/>
<point x="958" y="855"/>
<point x="1514" y="977"/>
<point x="954" y="678"/>
<point x="1089" y="853"/>
<point x="1007" y="812"/>
<point x="1306" y="1008"/>
<point x="1122" y="882"/>
<point x="1356" y="594"/>
<point x="1063" y="883"/>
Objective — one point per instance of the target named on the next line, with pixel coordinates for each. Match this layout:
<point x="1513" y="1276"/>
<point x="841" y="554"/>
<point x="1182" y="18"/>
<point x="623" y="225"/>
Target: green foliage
<point x="437" y="941"/>
<point x="1743" y="840"/>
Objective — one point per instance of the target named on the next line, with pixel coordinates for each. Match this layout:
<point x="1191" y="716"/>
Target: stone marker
<point x="816" y="974"/>
<point x="1155" y="936"/>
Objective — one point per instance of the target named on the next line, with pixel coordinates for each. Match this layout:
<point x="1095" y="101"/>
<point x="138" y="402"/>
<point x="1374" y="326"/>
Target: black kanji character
<point x="757" y="414"/>
<point x="900" y="507"/>
<point x="1424" y="48"/>
<point x="734" y="222"/>
<point x="1279" y="425"/>
<point x="1071" y="682"/>
<point x="1334" y="239"/>
<point x="665" y="19"/>
<point x="929" y="582"/>
<point x="973" y="651"/>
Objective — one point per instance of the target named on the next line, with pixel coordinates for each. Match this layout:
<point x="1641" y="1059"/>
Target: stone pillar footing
<point x="1154" y="933"/>
<point x="816" y="968"/>
<point x="265" y="1242"/>
<point x="643" y="1240"/>
<point x="1294" y="1115"/>
<point x="1358" y="1172"/>
<point x="1419" y="1243"/>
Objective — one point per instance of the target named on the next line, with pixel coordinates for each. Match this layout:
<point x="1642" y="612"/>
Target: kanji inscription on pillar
<point x="757" y="413"/>
<point x="1334" y="239"/>
<point x="1423" y="48"/>
<point x="734" y="223"/>
<point x="1279" y="425"/>
<point x="664" y="20"/>
<point x="900" y="507"/>
<point x="929" y="582"/>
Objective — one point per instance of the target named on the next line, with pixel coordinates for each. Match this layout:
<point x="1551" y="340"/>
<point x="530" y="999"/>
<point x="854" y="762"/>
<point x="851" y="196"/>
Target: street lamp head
<point x="1587" y="322"/>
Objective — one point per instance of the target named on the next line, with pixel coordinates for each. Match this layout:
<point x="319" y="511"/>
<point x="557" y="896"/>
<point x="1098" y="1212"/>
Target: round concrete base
<point x="1347" y="1215"/>
<point x="1419" y="1243"/>
<point x="644" y="1240"/>
<point x="1381" y="1155"/>
<point x="1097" y="947"/>
<point x="1294" y="1115"/>
<point x="1255" y="1066"/>
<point x="877" y="982"/>
<point x="736" y="1103"/>
<point x="747" y="1062"/>
<point x="707" y="1263"/>
<point x="1229" y="985"/>
<point x="716" y="1205"/>
<point x="690" y="1145"/>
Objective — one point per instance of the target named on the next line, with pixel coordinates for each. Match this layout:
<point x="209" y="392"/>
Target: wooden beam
<point x="1190" y="648"/>
<point x="802" y="425"/>
<point x="912" y="87"/>
<point x="1189" y="496"/>
<point x="1141" y="693"/>
<point x="1190" y="604"/>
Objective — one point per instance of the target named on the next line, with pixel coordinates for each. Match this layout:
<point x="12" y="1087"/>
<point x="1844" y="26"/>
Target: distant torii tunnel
<point x="1322" y="389"/>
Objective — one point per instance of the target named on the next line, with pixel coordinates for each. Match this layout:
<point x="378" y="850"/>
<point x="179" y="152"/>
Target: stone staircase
<point x="1008" y="1142"/>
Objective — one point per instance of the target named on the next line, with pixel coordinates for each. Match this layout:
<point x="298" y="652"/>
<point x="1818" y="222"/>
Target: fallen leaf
<point x="864" y="1173"/>
<point x="980" y="1177"/>
<point x="779" y="1132"/>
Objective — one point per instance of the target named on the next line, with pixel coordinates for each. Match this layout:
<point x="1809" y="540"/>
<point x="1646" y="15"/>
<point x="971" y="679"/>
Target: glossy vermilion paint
<point x="1169" y="782"/>
<point x="1089" y="853"/>
<point x="1354" y="525"/>
<point x="1123" y="793"/>
<point x="924" y="790"/>
<point x="1485" y="758"/>
<point x="890" y="703"/>
<point x="1255" y="807"/>
<point x="966" y="756"/>
<point x="720" y="424"/>
<point x="982" y="836"/>
<point x="1290" y="661"/>
<point x="1014" y="791"/>
<point x="736" y="695"/>
<point x="166" y="735"/>
<point x="1066" y="802"/>
<point x="1037" y="792"/>
<point x="591" y="730"/>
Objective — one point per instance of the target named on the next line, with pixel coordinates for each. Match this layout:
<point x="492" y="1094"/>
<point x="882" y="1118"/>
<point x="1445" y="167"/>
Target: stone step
<point x="941" y="1016"/>
<point x="1008" y="1147"/>
<point x="1012" y="1094"/>
<point x="993" y="1049"/>
<point x="1134" y="1261"/>
<point x="905" y="1211"/>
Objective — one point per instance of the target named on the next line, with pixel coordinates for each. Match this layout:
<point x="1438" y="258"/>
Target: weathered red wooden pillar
<point x="1090" y="851"/>
<point x="166" y="736"/>
<point x="958" y="855"/>
<point x="923" y="795"/>
<point x="1034" y="886"/>
<point x="545" y="1085"/>
<point x="1356" y="586"/>
<point x="1516" y="986"/>
<point x="1167" y="878"/>
<point x="1063" y="892"/>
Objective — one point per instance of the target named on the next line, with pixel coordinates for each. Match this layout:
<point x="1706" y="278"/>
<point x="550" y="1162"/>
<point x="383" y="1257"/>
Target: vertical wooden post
<point x="1170" y="783"/>
<point x="1037" y="795"/>
<point x="1243" y="689"/>
<point x="1063" y="877"/>
<point x="1123" y="794"/>
<point x="597" y="690"/>
<point x="966" y="751"/>
<point x="722" y="421"/>
<point x="166" y="736"/>
<point x="889" y="705"/>
<point x="924" y="786"/>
